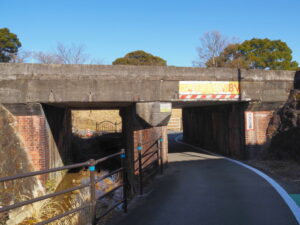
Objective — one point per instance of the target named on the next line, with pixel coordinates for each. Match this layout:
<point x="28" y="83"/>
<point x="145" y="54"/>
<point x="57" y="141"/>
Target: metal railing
<point x="109" y="126"/>
<point x="142" y="160"/>
<point x="92" y="184"/>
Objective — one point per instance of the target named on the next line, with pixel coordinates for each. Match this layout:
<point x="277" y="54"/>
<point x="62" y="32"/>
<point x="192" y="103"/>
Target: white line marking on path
<point x="284" y="195"/>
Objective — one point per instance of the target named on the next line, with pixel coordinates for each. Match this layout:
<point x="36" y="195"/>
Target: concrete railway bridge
<point x="224" y="110"/>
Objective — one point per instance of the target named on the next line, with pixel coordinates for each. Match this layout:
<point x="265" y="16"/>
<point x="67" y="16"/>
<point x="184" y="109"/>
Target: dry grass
<point x="57" y="206"/>
<point x="87" y="119"/>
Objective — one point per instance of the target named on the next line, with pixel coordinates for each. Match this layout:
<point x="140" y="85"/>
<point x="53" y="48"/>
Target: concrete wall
<point x="216" y="128"/>
<point x="87" y="84"/>
<point x="59" y="122"/>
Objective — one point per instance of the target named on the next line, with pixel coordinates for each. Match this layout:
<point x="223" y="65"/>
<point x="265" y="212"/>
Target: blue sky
<point x="166" y="28"/>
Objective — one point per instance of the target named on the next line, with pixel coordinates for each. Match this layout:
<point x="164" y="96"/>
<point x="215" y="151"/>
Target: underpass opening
<point x="218" y="127"/>
<point x="78" y="136"/>
<point x="97" y="133"/>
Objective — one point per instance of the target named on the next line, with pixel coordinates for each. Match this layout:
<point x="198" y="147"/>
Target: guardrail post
<point x="160" y="155"/>
<point x="123" y="164"/>
<point x="139" y="148"/>
<point x="92" y="190"/>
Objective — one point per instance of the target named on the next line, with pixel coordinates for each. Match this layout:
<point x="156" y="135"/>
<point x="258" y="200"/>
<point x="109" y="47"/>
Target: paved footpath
<point x="200" y="189"/>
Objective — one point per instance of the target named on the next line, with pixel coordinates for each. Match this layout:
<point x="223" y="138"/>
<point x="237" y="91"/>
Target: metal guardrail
<point x="108" y="126"/>
<point x="92" y="183"/>
<point x="149" y="154"/>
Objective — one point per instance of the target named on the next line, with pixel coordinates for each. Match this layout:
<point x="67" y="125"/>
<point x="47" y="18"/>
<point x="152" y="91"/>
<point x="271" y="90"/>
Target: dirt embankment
<point x="281" y="158"/>
<point x="284" y="131"/>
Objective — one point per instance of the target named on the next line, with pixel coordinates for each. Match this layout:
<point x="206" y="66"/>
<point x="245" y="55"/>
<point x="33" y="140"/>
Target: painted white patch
<point x="165" y="107"/>
<point x="284" y="195"/>
<point x="249" y="121"/>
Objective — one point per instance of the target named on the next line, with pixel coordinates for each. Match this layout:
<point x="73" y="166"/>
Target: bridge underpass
<point x="229" y="117"/>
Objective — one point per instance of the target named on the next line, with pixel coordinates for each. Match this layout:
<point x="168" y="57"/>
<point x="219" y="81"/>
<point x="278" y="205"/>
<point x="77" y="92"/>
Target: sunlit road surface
<point x="202" y="189"/>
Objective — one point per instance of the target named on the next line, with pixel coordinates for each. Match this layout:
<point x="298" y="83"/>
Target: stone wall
<point x="32" y="129"/>
<point x="15" y="160"/>
<point x="256" y="125"/>
<point x="175" y="122"/>
<point x="46" y="136"/>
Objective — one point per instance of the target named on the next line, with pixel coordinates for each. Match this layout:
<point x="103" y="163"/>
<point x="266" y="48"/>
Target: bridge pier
<point x="137" y="128"/>
<point x="45" y="132"/>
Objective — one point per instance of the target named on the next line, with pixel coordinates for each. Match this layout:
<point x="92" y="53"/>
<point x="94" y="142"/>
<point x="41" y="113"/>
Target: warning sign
<point x="209" y="90"/>
<point x="209" y="87"/>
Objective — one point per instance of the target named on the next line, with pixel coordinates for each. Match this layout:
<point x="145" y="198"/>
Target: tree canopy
<point x="229" y="57"/>
<point x="140" y="58"/>
<point x="9" y="45"/>
<point x="256" y="54"/>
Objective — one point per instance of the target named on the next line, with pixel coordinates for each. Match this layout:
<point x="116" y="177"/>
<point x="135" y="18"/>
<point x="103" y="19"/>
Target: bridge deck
<point x="202" y="189"/>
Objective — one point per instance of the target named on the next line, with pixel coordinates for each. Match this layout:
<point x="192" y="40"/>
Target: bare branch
<point x="74" y="54"/>
<point x="212" y="44"/>
<point x="65" y="54"/>
<point x="46" y="58"/>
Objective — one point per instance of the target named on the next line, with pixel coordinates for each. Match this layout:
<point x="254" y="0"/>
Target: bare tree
<point x="212" y="43"/>
<point x="73" y="54"/>
<point x="46" y="58"/>
<point x="65" y="54"/>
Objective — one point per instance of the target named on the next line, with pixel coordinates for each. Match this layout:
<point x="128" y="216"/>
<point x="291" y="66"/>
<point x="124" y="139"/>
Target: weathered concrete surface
<point x="202" y="189"/>
<point x="154" y="113"/>
<point x="22" y="83"/>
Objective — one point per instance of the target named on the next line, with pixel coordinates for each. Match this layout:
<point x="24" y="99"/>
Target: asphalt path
<point x="202" y="189"/>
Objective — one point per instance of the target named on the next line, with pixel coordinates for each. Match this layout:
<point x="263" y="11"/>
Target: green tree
<point x="267" y="54"/>
<point x="256" y="54"/>
<point x="230" y="57"/>
<point x="9" y="45"/>
<point x="140" y="58"/>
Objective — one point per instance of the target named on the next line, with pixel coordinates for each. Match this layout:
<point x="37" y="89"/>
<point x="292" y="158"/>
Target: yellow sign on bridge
<point x="208" y="90"/>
